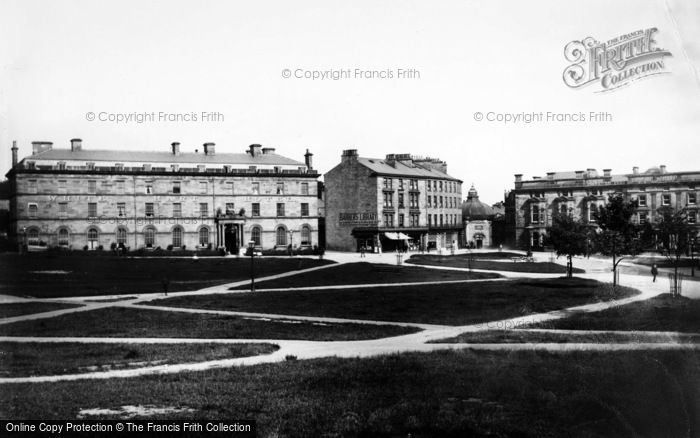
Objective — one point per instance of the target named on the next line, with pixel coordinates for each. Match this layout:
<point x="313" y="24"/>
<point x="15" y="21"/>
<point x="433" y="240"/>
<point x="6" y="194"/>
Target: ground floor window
<point x="281" y="236"/>
<point x="63" y="237"/>
<point x="305" y="235"/>
<point x="177" y="237"/>
<point x="255" y="235"/>
<point x="33" y="236"/>
<point x="150" y="237"/>
<point x="93" y="237"/>
<point x="203" y="236"/>
<point x="121" y="236"/>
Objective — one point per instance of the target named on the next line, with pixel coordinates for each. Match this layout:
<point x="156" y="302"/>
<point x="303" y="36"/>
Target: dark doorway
<point x="230" y="239"/>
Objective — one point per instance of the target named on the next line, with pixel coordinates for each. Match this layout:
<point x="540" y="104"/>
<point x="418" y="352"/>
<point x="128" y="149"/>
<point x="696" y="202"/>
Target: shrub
<point x="290" y="357"/>
<point x="113" y="246"/>
<point x="100" y="247"/>
<point x="85" y="248"/>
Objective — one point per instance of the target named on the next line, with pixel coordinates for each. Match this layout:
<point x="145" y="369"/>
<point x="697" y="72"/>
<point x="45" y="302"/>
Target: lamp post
<point x="251" y="246"/>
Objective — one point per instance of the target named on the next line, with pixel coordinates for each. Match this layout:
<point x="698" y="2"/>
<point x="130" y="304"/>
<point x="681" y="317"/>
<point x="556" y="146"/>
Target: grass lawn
<point x="661" y="313"/>
<point x="524" y="336"/>
<point x="462" y="261"/>
<point x="41" y="359"/>
<point x="442" y="394"/>
<point x="16" y="309"/>
<point x="454" y="304"/>
<point x="368" y="273"/>
<point x="79" y="274"/>
<point x="121" y="322"/>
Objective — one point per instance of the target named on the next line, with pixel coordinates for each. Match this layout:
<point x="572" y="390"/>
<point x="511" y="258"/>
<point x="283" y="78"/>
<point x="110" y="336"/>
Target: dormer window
<point x="278" y="169"/>
<point x="175" y="167"/>
<point x="201" y="168"/>
<point x="119" y="166"/>
<point x="90" y="165"/>
<point x="61" y="165"/>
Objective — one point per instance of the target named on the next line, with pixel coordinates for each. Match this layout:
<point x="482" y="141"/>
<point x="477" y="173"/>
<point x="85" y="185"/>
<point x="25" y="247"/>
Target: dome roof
<point x="473" y="209"/>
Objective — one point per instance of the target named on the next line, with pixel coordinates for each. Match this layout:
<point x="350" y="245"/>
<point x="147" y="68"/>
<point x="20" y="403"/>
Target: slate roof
<point x="380" y="166"/>
<point x="163" y="157"/>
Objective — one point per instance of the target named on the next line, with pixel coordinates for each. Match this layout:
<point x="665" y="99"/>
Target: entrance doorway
<point x="231" y="238"/>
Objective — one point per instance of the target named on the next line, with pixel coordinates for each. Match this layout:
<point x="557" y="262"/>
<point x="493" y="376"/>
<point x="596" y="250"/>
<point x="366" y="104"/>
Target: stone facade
<point x="399" y="202"/>
<point x="79" y="198"/>
<point x="534" y="202"/>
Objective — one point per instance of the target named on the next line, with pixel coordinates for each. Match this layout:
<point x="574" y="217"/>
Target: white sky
<point x="62" y="59"/>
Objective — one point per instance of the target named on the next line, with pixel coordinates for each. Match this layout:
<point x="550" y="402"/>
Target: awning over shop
<point x="397" y="236"/>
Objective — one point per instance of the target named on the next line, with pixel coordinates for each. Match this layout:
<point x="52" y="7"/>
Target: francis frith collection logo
<point x="614" y="63"/>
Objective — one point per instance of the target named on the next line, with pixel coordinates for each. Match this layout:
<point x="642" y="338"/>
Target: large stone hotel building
<point x="534" y="202"/>
<point x="82" y="198"/>
<point x="392" y="203"/>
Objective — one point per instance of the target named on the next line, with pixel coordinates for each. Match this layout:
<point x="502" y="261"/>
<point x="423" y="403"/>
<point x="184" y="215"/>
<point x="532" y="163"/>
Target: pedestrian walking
<point x="362" y="251"/>
<point x="654" y="272"/>
<point x="165" y="283"/>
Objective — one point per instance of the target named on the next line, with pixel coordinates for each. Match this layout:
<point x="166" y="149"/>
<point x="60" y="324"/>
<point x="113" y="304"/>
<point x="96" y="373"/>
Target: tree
<point x="569" y="237"/>
<point x="674" y="234"/>
<point x="617" y="236"/>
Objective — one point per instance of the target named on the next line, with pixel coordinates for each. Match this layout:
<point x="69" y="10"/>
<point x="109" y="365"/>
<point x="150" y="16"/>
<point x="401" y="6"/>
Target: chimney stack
<point x="14" y="153"/>
<point x="254" y="150"/>
<point x="390" y="160"/>
<point x="606" y="173"/>
<point x="209" y="148"/>
<point x="309" y="160"/>
<point x="550" y="175"/>
<point x="518" y="177"/>
<point x="76" y="144"/>
<point x="663" y="168"/>
<point x="349" y="155"/>
<point x="176" y="148"/>
<point x="579" y="174"/>
<point x="635" y="170"/>
<point x="267" y="151"/>
<point x="41" y="146"/>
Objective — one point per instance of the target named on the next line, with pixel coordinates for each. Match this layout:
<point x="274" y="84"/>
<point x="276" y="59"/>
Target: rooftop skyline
<point x="159" y="65"/>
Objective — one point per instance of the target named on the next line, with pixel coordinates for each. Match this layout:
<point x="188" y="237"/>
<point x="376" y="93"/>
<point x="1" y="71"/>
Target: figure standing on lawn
<point x="654" y="272"/>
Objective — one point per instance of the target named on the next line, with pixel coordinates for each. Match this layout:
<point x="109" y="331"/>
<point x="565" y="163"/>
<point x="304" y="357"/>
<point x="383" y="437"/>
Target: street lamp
<point x="251" y="246"/>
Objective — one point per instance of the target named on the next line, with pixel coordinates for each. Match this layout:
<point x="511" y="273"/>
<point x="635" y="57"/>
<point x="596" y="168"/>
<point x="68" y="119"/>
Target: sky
<point x="61" y="61"/>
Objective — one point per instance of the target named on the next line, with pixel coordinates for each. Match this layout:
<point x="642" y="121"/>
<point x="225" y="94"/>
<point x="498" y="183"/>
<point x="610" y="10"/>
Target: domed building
<point x="477" y="217"/>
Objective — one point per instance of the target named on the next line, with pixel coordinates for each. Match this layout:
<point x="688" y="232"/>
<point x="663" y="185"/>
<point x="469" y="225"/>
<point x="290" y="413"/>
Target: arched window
<point x="177" y="237"/>
<point x="63" y="237"/>
<point x="121" y="236"/>
<point x="33" y="236"/>
<point x="203" y="236"/>
<point x="305" y="235"/>
<point x="93" y="237"/>
<point x="281" y="236"/>
<point x="256" y="235"/>
<point x="149" y="235"/>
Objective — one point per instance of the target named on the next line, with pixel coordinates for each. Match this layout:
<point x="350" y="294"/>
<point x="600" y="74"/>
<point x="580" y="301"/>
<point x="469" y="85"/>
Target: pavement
<point x="422" y="341"/>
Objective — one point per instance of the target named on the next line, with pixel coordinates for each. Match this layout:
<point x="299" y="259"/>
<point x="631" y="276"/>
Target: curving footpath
<point x="414" y="342"/>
